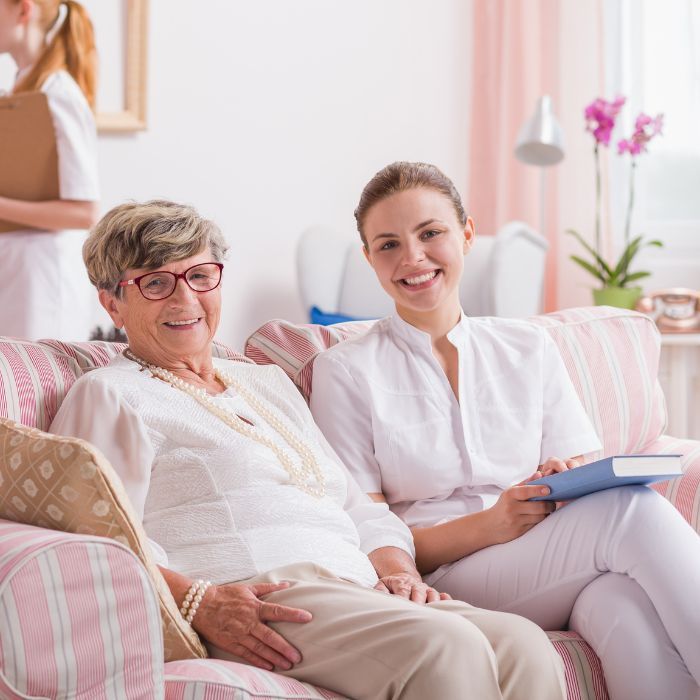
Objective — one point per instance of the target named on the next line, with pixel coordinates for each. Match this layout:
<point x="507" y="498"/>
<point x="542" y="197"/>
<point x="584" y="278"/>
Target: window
<point x="653" y="57"/>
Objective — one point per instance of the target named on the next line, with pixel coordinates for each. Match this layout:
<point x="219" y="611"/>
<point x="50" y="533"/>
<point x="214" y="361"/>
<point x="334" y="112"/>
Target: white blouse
<point x="219" y="504"/>
<point x="45" y="290"/>
<point x="386" y="407"/>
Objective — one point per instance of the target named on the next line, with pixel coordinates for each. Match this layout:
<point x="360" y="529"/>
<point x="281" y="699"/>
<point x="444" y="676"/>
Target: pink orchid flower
<point x="600" y="118"/>
<point x="645" y="128"/>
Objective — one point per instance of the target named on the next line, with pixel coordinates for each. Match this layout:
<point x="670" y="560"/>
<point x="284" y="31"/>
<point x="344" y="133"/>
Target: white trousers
<point x="620" y="567"/>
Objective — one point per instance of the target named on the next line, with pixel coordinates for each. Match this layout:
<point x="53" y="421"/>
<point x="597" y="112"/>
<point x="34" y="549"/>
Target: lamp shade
<point x="540" y="141"/>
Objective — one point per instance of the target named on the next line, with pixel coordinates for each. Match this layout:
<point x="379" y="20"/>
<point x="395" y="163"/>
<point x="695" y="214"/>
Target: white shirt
<point x="45" y="291"/>
<point x="386" y="407"/>
<point x="218" y="503"/>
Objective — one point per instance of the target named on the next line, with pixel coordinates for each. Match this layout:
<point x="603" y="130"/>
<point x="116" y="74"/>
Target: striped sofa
<point x="78" y="615"/>
<point x="612" y="356"/>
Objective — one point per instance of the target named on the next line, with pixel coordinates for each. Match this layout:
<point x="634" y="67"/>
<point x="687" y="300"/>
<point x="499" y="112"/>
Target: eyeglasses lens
<point x="201" y="278"/>
<point x="204" y="277"/>
<point x="157" y="285"/>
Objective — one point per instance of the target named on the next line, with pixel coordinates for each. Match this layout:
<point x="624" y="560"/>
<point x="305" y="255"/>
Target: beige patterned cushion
<point x="66" y="484"/>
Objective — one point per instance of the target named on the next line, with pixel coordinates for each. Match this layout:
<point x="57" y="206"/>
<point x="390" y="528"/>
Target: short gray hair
<point x="147" y="235"/>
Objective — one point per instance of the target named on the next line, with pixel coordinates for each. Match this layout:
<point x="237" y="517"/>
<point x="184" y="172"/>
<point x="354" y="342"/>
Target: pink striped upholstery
<point x="35" y="377"/>
<point x="683" y="492"/>
<point x="98" y="353"/>
<point x="612" y="356"/>
<point x="584" y="674"/>
<point x="78" y="618"/>
<point x="33" y="382"/>
<point x="224" y="680"/>
<point x="293" y="347"/>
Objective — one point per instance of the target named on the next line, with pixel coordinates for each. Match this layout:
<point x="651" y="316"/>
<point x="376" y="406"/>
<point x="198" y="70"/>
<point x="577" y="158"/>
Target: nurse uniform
<point x="44" y="288"/>
<point x="601" y="566"/>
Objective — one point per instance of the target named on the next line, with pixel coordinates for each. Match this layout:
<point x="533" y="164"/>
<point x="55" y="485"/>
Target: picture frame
<point x="121" y="35"/>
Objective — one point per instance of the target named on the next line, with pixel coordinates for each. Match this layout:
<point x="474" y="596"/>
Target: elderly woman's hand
<point x="232" y="617"/>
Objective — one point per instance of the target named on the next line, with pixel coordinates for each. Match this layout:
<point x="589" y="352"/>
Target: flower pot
<point x="622" y="297"/>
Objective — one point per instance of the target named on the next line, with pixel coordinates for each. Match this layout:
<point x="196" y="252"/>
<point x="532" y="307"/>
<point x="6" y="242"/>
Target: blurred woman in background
<point x="45" y="290"/>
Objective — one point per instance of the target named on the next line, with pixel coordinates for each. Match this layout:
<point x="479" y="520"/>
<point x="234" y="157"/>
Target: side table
<point x="679" y="374"/>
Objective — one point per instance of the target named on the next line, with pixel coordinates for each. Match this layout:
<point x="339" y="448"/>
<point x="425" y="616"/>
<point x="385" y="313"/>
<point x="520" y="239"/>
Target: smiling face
<point x="172" y="332"/>
<point x="416" y="245"/>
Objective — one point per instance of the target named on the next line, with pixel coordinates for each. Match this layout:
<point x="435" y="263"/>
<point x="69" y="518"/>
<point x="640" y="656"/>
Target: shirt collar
<point x="414" y="335"/>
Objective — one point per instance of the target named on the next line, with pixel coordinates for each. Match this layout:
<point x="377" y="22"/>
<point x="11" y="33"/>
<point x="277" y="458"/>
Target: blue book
<point x="607" y="473"/>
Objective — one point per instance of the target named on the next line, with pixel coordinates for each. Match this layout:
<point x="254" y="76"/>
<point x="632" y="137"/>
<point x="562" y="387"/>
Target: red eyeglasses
<point x="161" y="283"/>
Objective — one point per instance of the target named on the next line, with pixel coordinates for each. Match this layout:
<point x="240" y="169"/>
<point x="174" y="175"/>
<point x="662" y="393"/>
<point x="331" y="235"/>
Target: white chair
<point x="503" y="274"/>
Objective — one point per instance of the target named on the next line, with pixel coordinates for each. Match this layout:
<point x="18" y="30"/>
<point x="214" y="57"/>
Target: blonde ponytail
<point x="71" y="49"/>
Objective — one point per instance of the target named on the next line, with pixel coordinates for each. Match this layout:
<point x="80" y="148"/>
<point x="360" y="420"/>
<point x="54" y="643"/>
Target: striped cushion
<point x="33" y="382"/>
<point x="582" y="668"/>
<point x="612" y="356"/>
<point x="35" y="377"/>
<point x="225" y="680"/>
<point x="683" y="492"/>
<point x="78" y="618"/>
<point x="293" y="347"/>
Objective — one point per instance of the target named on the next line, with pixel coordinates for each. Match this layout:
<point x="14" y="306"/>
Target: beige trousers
<point x="365" y="644"/>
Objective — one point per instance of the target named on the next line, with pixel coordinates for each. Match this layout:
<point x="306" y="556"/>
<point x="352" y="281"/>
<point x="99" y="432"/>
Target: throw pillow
<point x="66" y="484"/>
<point x="324" y="318"/>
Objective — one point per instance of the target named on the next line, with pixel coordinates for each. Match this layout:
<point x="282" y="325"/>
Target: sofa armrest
<point x="78" y="618"/>
<point x="683" y="492"/>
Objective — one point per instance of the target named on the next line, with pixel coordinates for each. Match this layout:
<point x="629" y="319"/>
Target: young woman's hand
<point x="411" y="587"/>
<point x="233" y="618"/>
<point x="513" y="515"/>
<point x="554" y="465"/>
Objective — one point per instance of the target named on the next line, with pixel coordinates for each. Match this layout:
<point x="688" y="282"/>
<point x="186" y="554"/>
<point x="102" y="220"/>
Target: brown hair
<point x="147" y="235"/>
<point x="72" y="49"/>
<point x="402" y="176"/>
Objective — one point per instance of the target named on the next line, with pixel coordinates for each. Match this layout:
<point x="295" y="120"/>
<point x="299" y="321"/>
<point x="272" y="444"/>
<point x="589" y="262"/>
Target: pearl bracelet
<point x="193" y="598"/>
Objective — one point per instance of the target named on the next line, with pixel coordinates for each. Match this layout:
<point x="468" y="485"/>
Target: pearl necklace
<point x="308" y="477"/>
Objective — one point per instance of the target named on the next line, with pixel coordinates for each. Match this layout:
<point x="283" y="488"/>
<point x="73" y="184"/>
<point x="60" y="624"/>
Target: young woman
<point x="447" y="418"/>
<point x="45" y="291"/>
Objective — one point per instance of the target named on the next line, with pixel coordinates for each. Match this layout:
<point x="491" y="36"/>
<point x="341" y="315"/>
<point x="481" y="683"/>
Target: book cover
<point x="608" y="473"/>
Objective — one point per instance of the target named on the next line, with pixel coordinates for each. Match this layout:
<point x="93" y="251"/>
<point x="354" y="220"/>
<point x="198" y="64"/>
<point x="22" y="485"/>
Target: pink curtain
<point x="516" y="61"/>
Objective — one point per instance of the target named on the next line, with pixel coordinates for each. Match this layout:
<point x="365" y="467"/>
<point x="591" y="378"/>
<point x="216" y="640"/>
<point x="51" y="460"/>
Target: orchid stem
<point x="597" y="205"/>
<point x="630" y="204"/>
<point x="628" y="220"/>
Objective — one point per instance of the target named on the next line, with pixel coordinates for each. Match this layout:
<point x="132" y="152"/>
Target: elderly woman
<point x="235" y="484"/>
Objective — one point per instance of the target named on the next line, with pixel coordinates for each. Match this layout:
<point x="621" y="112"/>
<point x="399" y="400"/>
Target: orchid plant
<point x="601" y="116"/>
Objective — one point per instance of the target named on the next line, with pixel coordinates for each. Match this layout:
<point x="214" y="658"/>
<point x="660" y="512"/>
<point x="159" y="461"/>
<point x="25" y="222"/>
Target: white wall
<point x="270" y="116"/>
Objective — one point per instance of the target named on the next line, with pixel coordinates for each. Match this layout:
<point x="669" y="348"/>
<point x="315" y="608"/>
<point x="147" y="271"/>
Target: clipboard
<point x="28" y="156"/>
